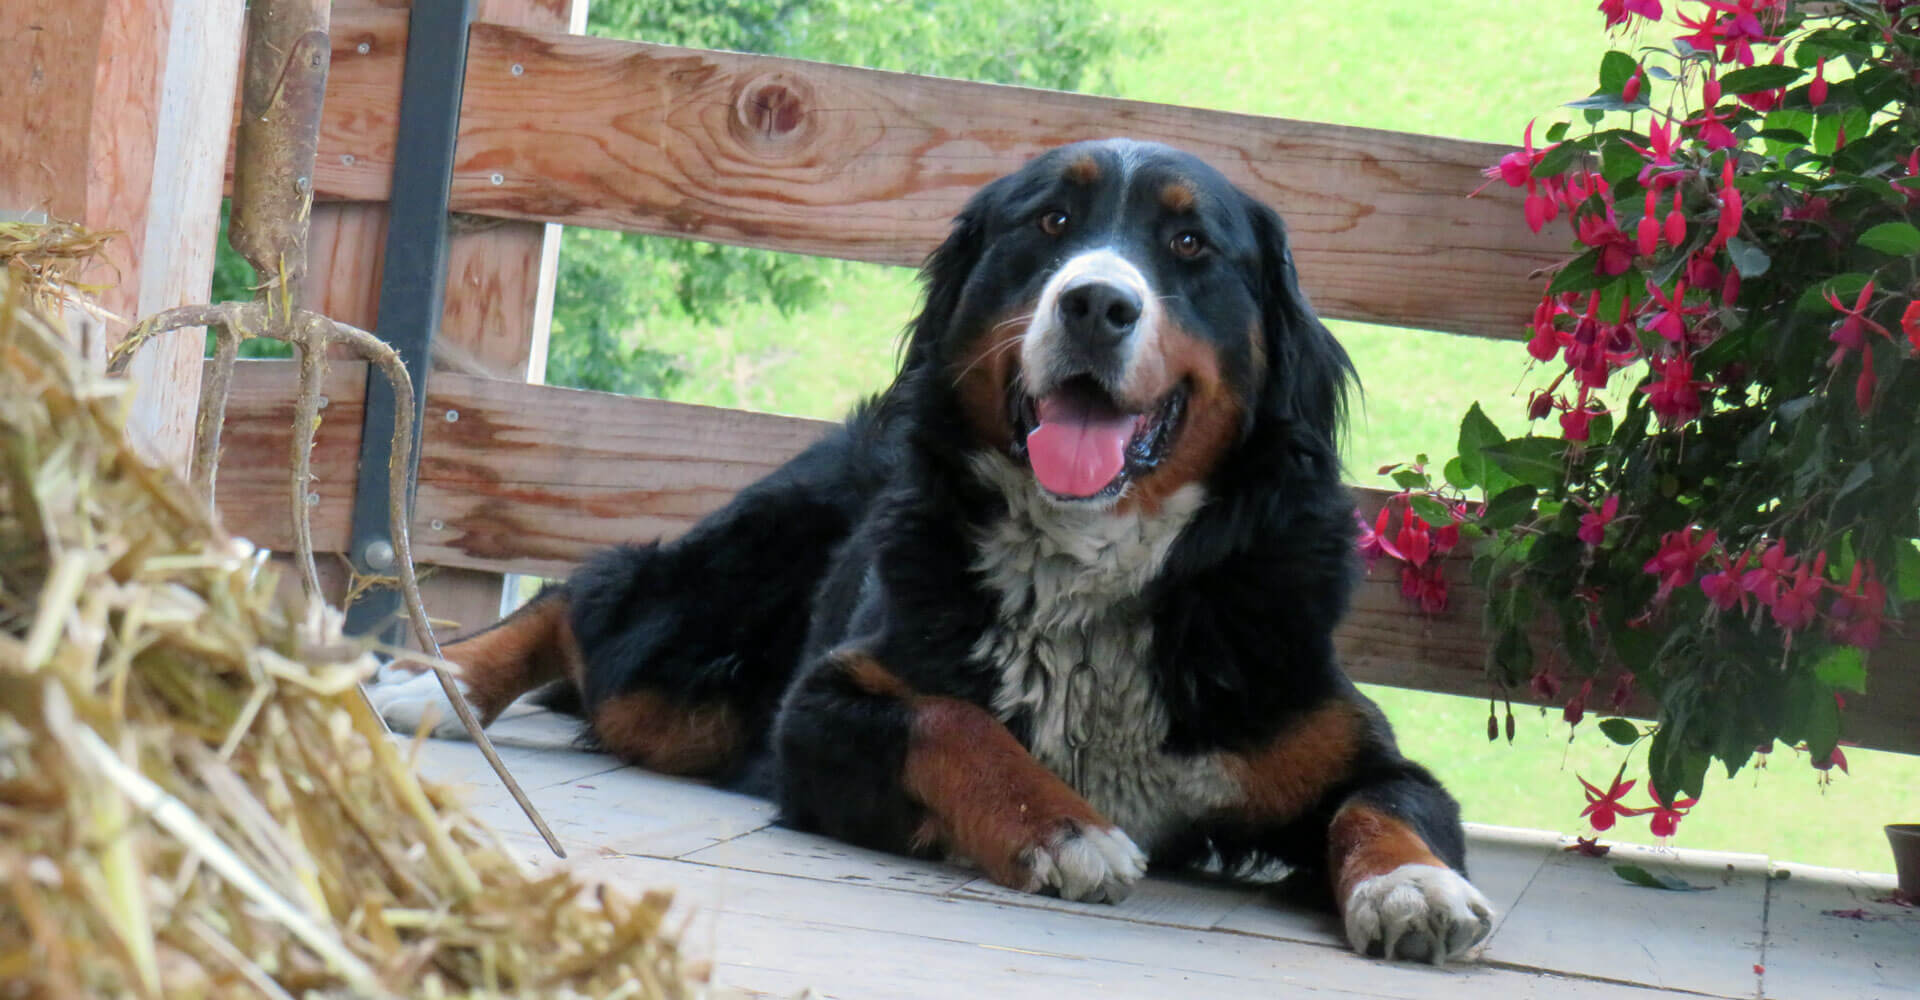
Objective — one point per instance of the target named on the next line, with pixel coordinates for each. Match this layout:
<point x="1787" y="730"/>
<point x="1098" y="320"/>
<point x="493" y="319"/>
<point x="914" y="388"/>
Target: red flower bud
<point x="1817" y="90"/>
<point x="1631" y="91"/>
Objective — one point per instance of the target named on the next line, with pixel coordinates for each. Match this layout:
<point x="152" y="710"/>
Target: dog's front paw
<point x="1091" y="864"/>
<point x="1419" y="912"/>
<point x="408" y="699"/>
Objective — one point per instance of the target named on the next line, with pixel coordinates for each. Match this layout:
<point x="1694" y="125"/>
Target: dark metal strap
<point x="412" y="282"/>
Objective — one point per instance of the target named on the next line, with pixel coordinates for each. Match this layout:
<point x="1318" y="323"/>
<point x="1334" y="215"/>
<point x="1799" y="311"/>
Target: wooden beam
<point x="531" y="479"/>
<point x="868" y="165"/>
<point x="111" y="116"/>
<point x="500" y="273"/>
<point x="183" y="216"/>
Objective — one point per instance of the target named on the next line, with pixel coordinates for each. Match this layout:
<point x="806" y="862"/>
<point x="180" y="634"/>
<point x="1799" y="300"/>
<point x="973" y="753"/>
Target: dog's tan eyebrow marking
<point x="1085" y="170"/>
<point x="1177" y="196"/>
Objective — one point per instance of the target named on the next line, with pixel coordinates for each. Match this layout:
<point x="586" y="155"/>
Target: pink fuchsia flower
<point x="1373" y="538"/>
<point x="1619" y="12"/>
<point x="1857" y="613"/>
<point x="1424" y="587"/>
<point x="1850" y="333"/>
<point x="1678" y="556"/>
<point x="1910" y="324"/>
<point x="1676" y="225"/>
<point x="1838" y="758"/>
<point x="1732" y="207"/>
<point x="1545" y="685"/>
<point x="1622" y="693"/>
<point x="1576" y="709"/>
<point x="1723" y="587"/>
<point x="1766" y="580"/>
<point x="1414" y="541"/>
<point x="1670" y="319"/>
<point x="1603" y="808"/>
<point x="1602" y="234"/>
<point x="1732" y="28"/>
<point x="1793" y="605"/>
<point x="1661" y="171"/>
<point x="1666" y="819"/>
<point x="1593" y="524"/>
<point x="1675" y="397"/>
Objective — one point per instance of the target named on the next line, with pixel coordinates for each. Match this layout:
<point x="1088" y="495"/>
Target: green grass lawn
<point x="1465" y="68"/>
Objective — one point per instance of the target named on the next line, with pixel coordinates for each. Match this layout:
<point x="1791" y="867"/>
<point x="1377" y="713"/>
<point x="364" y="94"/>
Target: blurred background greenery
<point x="806" y="336"/>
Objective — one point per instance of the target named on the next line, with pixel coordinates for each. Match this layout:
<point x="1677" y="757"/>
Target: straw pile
<point x="195" y="799"/>
<point x="44" y="261"/>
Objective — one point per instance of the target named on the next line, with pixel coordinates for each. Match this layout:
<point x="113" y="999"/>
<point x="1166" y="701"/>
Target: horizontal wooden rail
<point x="529" y="479"/>
<point x="868" y="165"/>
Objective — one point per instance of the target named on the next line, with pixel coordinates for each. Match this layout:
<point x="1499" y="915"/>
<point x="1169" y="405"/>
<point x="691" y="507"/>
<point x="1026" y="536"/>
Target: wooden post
<point x="114" y="114"/>
<point x="499" y="298"/>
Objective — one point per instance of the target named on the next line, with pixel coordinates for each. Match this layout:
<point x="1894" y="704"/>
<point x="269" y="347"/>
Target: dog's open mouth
<point x="1083" y="445"/>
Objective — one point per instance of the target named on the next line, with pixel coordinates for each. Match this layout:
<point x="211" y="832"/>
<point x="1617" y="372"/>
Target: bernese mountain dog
<point x="1060" y="601"/>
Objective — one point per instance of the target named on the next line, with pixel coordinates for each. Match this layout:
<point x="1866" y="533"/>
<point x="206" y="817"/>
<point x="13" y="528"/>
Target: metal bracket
<point x="412" y="283"/>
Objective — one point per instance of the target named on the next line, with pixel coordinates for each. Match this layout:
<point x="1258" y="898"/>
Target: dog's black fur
<point x="868" y="541"/>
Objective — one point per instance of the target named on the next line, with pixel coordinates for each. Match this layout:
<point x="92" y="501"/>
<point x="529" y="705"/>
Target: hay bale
<point x="195" y="799"/>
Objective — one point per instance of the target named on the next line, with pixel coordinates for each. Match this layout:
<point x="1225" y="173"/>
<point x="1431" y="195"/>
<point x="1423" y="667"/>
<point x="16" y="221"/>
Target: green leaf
<point x="1582" y="274"/>
<point x="1510" y="507"/>
<point x="1907" y="565"/>
<point x="1618" y="162"/>
<point x="1897" y="239"/>
<point x="1558" y="131"/>
<point x="1843" y="286"/>
<point x="1557" y="160"/>
<point x="1757" y="78"/>
<point x="1620" y="731"/>
<point x="1407" y="479"/>
<point x="1477" y="433"/>
<point x="1535" y="460"/>
<point x="1642" y="877"/>
<point x="1598" y="103"/>
<point x="1843" y="667"/>
<point x="1857" y="478"/>
<point x="1455" y="473"/>
<point x="1431" y="511"/>
<point x="1751" y="260"/>
<point x="1616" y="68"/>
<point x="1827" y="128"/>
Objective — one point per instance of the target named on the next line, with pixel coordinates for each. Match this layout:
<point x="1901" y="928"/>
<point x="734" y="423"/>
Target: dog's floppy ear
<point x="944" y="276"/>
<point x="1308" y="372"/>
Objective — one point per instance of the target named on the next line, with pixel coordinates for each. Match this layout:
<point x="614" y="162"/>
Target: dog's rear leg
<point x="864" y="758"/>
<point x="532" y="647"/>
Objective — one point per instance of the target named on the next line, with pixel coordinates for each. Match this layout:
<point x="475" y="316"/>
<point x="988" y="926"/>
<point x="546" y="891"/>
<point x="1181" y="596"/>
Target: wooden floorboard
<point x="779" y="911"/>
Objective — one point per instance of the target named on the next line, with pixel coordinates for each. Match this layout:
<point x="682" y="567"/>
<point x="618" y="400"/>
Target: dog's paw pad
<point x="1418" y="912"/>
<point x="1089" y="864"/>
<point x="408" y="700"/>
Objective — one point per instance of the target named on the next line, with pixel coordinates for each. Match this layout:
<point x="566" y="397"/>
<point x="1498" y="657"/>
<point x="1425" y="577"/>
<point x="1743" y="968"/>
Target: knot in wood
<point x="771" y="108"/>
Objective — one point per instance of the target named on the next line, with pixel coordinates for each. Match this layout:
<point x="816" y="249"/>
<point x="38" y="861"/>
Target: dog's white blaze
<point x="1040" y="347"/>
<point x="1071" y="644"/>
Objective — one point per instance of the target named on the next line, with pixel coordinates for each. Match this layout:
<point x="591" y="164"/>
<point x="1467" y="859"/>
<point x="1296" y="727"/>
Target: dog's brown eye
<point x="1188" y="245"/>
<point x="1053" y="222"/>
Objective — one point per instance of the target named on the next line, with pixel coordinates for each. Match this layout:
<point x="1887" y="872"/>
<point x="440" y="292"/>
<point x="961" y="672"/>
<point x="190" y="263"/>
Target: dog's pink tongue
<point x="1080" y="444"/>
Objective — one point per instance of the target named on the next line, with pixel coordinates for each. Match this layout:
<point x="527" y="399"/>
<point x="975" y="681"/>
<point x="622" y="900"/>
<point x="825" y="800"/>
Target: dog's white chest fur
<point x="1071" y="644"/>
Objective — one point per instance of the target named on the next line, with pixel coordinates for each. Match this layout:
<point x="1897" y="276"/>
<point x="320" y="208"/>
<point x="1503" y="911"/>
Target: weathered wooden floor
<point x="779" y="912"/>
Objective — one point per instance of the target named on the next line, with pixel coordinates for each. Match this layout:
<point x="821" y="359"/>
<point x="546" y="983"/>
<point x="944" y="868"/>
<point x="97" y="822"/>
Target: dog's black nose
<point x="1099" y="311"/>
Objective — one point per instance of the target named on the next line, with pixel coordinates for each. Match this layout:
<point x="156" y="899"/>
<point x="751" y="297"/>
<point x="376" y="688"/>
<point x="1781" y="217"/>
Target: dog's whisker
<point x="988" y="355"/>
